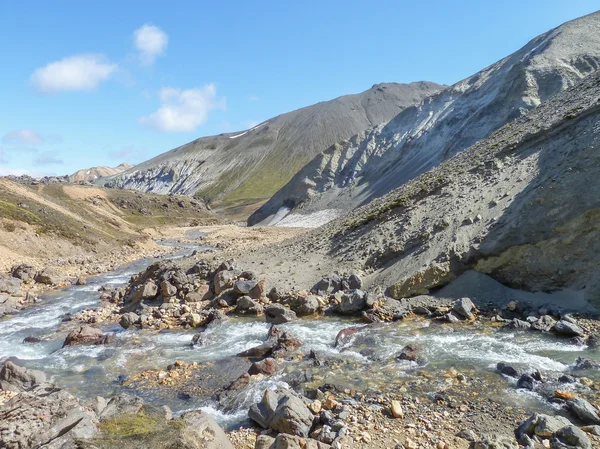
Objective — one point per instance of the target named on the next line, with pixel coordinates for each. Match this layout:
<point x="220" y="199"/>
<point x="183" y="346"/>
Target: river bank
<point x="439" y="374"/>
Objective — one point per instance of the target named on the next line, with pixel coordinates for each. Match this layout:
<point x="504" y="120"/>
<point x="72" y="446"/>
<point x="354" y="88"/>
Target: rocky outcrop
<point x="372" y="163"/>
<point x="86" y="335"/>
<point x="283" y="411"/>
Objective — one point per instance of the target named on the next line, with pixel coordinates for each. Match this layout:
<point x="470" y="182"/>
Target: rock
<point x="278" y="314"/>
<point x="284" y="441"/>
<point x="258" y="291"/>
<point x="264" y="442"/>
<point x="200" y="431"/>
<point x="436" y="275"/>
<point x="148" y="290"/>
<point x="202" y="293"/>
<point x="545" y="323"/>
<point x="494" y="441"/>
<point x="565" y="379"/>
<point x="120" y="405"/>
<point x="16" y="378"/>
<point x="515" y="323"/>
<point x="195" y="319"/>
<point x="48" y="276"/>
<point x="31" y="339"/>
<point x="354" y="282"/>
<point x="267" y="367"/>
<point x="47" y="417"/>
<point x="594" y="430"/>
<point x="541" y="425"/>
<point x="243" y="287"/>
<point x="24" y="272"/>
<point x="246" y="305"/>
<point x="223" y="280"/>
<point x="584" y="364"/>
<point x="283" y="411"/>
<point x="305" y="305"/>
<point x="396" y="410"/>
<point x="328" y="285"/>
<point x="507" y="370"/>
<point x="584" y="411"/>
<point x="345" y="336"/>
<point x="570" y="437"/>
<point x="526" y="382"/>
<point x="567" y="328"/>
<point x="129" y="319"/>
<point x="412" y="352"/>
<point x="464" y="307"/>
<point x="353" y="301"/>
<point x="167" y="290"/>
<point x="81" y="281"/>
<point x="86" y="335"/>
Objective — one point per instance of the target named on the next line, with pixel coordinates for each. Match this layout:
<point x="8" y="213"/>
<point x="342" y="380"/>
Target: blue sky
<point x="100" y="83"/>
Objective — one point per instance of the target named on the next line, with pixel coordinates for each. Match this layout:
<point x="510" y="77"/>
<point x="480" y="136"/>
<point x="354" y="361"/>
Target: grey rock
<point x="223" y="280"/>
<point x="247" y="306"/>
<point x="507" y="370"/>
<point x="541" y="425"/>
<point x="515" y="323"/>
<point x="200" y="431"/>
<point x="49" y="276"/>
<point x="526" y="382"/>
<point x="570" y="437"/>
<point x="305" y="305"/>
<point x="283" y="411"/>
<point x="584" y="411"/>
<point x="167" y="289"/>
<point x="494" y="441"/>
<point x="278" y="314"/>
<point x="16" y="378"/>
<point x="120" y="405"/>
<point x="24" y="272"/>
<point x="353" y="301"/>
<point x="568" y="328"/>
<point x="464" y="307"/>
<point x="243" y="287"/>
<point x="129" y="319"/>
<point x="545" y="323"/>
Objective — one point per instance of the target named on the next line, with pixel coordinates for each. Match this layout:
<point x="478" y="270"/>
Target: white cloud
<point x="23" y="136"/>
<point x="79" y="72"/>
<point x="151" y="42"/>
<point x="183" y="110"/>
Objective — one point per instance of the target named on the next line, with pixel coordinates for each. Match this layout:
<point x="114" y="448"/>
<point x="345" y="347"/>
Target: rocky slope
<point x="374" y="162"/>
<point x="251" y="165"/>
<point x="91" y="174"/>
<point x="520" y="207"/>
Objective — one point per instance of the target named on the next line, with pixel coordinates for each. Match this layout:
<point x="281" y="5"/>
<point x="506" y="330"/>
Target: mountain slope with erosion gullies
<point x="372" y="163"/>
<point x="249" y="166"/>
<point x="91" y="174"/>
<point x="518" y="210"/>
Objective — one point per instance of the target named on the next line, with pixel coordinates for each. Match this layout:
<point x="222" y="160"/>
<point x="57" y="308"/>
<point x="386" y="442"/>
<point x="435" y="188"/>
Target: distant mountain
<point x="91" y="174"/>
<point x="251" y="165"/>
<point x="374" y="162"/>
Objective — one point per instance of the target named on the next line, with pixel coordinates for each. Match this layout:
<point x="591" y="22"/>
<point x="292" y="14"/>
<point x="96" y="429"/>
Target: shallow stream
<point x="367" y="362"/>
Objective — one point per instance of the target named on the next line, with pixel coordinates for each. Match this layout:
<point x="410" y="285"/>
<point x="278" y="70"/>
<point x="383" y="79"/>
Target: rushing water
<point x="366" y="362"/>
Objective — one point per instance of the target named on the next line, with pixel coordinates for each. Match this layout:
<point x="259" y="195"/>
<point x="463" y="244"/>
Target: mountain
<point x="374" y="162"/>
<point x="91" y="174"/>
<point x="514" y="217"/>
<point x="250" y="166"/>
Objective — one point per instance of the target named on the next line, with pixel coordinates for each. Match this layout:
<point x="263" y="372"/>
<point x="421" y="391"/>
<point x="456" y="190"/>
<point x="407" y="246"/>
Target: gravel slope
<point x="370" y="164"/>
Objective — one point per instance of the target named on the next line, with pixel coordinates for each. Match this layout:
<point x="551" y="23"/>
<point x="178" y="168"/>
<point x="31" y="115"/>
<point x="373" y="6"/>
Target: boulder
<point x="129" y="319"/>
<point x="526" y="382"/>
<point x="507" y="370"/>
<point x="494" y="441"/>
<point x="328" y="285"/>
<point x="267" y="367"/>
<point x="570" y="437"/>
<point x="24" y="272"/>
<point x="223" y="280"/>
<point x="258" y="291"/>
<point x="281" y="410"/>
<point x="545" y="323"/>
<point x="49" y="276"/>
<point x="353" y="301"/>
<point x="147" y="290"/>
<point x="518" y="324"/>
<point x="345" y="336"/>
<point x="248" y="306"/>
<point x="278" y="314"/>
<point x="284" y="441"/>
<point x="86" y="335"/>
<point x="200" y="431"/>
<point x="305" y="305"/>
<point x="464" y="307"/>
<point x="568" y="328"/>
<point x="354" y="282"/>
<point x="243" y="287"/>
<point x="419" y="283"/>
<point x="10" y="286"/>
<point x="585" y="411"/>
<point x="120" y="405"/>
<point x="202" y="293"/>
<point x="16" y="378"/>
<point x="167" y="290"/>
<point x="541" y="425"/>
<point x="412" y="353"/>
